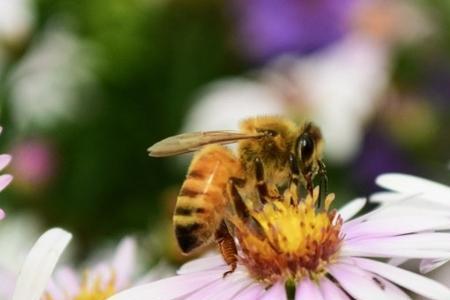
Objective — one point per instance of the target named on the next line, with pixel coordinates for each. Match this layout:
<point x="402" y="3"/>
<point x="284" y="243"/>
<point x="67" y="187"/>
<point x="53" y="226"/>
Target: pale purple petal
<point x="223" y="289"/>
<point x="252" y="292"/>
<point x="4" y="160"/>
<point x="202" y="264"/>
<point x="428" y="265"/>
<point x="4" y="181"/>
<point x="2" y="214"/>
<point x="349" y="210"/>
<point x="124" y="262"/>
<point x="308" y="290"/>
<point x="55" y="291"/>
<point x="402" y="224"/>
<point x="277" y="291"/>
<point x="68" y="278"/>
<point x="39" y="264"/>
<point x="7" y="282"/>
<point x="409" y="280"/>
<point x="170" y="288"/>
<point x="331" y="291"/>
<point x="357" y="283"/>
<point x="435" y="241"/>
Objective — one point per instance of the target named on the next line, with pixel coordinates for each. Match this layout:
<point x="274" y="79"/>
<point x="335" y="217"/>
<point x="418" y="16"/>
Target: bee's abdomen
<point x="202" y="197"/>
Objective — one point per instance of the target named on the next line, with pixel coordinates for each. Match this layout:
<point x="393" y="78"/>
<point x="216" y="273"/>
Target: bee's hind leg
<point x="227" y="247"/>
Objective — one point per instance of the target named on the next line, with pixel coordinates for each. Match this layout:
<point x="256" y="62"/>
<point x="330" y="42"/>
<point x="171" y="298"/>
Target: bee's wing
<point x="188" y="142"/>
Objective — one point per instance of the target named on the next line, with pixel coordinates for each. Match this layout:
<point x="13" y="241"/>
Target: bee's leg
<point x="294" y="180"/>
<point x="323" y="183"/>
<point x="227" y="247"/>
<point x="261" y="184"/>
<point x="238" y="203"/>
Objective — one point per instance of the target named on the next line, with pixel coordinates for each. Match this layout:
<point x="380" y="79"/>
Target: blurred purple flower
<point x="35" y="164"/>
<point x="379" y="154"/>
<point x="268" y="28"/>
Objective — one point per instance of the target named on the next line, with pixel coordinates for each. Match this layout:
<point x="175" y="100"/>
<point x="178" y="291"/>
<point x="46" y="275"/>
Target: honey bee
<point x="272" y="152"/>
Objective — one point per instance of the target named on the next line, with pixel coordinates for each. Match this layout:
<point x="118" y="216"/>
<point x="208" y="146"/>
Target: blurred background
<point x="86" y="86"/>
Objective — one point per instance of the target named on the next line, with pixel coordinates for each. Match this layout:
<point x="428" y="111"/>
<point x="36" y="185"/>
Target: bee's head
<point x="309" y="146"/>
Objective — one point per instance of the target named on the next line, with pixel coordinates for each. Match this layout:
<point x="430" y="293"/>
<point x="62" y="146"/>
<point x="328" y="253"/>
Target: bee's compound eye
<point x="305" y="147"/>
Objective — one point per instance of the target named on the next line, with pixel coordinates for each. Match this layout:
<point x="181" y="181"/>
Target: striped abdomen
<point x="202" y="199"/>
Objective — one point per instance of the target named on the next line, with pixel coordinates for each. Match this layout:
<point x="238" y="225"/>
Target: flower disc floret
<point x="290" y="241"/>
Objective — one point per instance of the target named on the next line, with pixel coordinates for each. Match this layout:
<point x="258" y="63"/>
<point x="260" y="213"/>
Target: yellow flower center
<point x="287" y="241"/>
<point x="96" y="291"/>
<point x="92" y="290"/>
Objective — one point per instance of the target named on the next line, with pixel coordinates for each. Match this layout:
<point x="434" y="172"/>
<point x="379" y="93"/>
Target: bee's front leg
<point x="323" y="182"/>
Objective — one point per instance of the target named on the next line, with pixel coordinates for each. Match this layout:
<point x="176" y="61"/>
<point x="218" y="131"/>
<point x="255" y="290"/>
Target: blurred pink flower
<point x="35" y="162"/>
<point x="5" y="179"/>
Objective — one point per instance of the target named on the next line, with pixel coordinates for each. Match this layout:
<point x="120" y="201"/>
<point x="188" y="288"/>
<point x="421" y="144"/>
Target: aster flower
<point x="5" y="179"/>
<point x="315" y="253"/>
<point x="97" y="282"/>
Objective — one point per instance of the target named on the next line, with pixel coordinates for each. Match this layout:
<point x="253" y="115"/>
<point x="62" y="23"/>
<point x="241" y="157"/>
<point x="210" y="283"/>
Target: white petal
<point x="409" y="280"/>
<point x="223" y="289"/>
<point x="411" y="184"/>
<point x="359" y="284"/>
<point x="4" y="181"/>
<point x="124" y="262"/>
<point x="349" y="210"/>
<point x="2" y="214"/>
<point x="428" y="265"/>
<point x="202" y="264"/>
<point x="170" y="288"/>
<point x="39" y="264"/>
<point x="308" y="290"/>
<point x="4" y="160"/>
<point x="277" y="291"/>
<point x="252" y="292"/>
<point x="330" y="291"/>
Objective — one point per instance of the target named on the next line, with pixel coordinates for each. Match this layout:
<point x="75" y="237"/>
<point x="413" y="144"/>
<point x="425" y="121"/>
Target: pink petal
<point x="350" y="209"/>
<point x="357" y="283"/>
<point x="308" y="290"/>
<point x="331" y="291"/>
<point x="124" y="262"/>
<point x="277" y="291"/>
<point x="409" y="280"/>
<point x="4" y="160"/>
<point x="2" y="214"/>
<point x="7" y="283"/>
<point x="202" y="264"/>
<point x="170" y="288"/>
<point x="68" y="279"/>
<point x="252" y="292"/>
<point x="4" y="181"/>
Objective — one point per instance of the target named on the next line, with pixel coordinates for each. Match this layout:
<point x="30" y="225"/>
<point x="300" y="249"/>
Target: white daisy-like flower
<point x="5" y="179"/>
<point x="294" y="248"/>
<point x="97" y="281"/>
